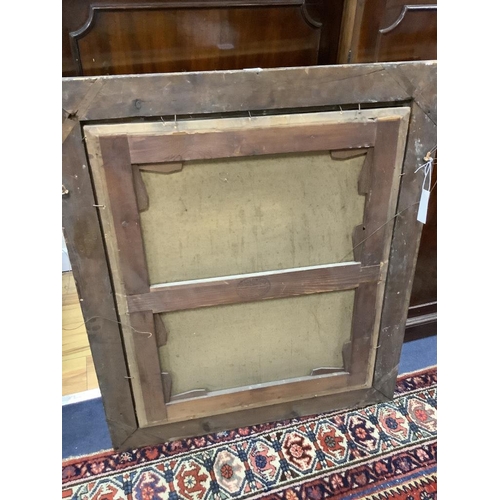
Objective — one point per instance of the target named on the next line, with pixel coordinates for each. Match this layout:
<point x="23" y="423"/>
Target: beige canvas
<point x="245" y="344"/>
<point x="244" y="215"/>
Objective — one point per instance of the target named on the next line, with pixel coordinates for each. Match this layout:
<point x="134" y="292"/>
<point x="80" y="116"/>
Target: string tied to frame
<point x="426" y="187"/>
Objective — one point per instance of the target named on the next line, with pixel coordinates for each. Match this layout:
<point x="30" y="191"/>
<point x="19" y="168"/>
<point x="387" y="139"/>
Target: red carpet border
<point x="381" y="452"/>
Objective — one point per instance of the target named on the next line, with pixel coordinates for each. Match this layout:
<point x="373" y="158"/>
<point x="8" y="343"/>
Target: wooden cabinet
<point x="388" y="30"/>
<point x="130" y="37"/>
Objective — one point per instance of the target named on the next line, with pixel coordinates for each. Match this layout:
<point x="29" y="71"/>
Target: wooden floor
<point x="77" y="367"/>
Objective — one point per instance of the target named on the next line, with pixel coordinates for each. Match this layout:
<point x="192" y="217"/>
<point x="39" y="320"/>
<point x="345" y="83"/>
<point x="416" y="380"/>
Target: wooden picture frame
<point x="392" y="124"/>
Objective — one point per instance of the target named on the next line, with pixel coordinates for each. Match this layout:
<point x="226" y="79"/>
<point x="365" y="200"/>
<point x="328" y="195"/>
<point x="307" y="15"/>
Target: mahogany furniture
<point x="130" y="37"/>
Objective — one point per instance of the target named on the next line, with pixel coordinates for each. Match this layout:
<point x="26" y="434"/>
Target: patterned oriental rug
<point x="381" y="452"/>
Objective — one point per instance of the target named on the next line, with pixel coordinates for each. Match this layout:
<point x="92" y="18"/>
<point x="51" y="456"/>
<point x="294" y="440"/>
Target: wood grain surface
<point x="253" y="287"/>
<point x="250" y="142"/>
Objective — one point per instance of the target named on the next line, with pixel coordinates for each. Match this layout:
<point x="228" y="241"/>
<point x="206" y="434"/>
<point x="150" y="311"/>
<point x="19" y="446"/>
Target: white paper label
<point x="422" y="207"/>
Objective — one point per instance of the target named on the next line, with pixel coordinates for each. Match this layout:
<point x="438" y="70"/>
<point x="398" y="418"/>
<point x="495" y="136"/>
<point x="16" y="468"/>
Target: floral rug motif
<point x="382" y="452"/>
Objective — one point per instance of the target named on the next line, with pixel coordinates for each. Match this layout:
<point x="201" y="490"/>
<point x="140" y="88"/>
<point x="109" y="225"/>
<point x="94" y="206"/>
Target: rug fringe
<point x="78" y="458"/>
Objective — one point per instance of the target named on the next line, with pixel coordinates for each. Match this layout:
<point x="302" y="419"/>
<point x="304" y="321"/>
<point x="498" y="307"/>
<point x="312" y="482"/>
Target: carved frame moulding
<point x="164" y="174"/>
